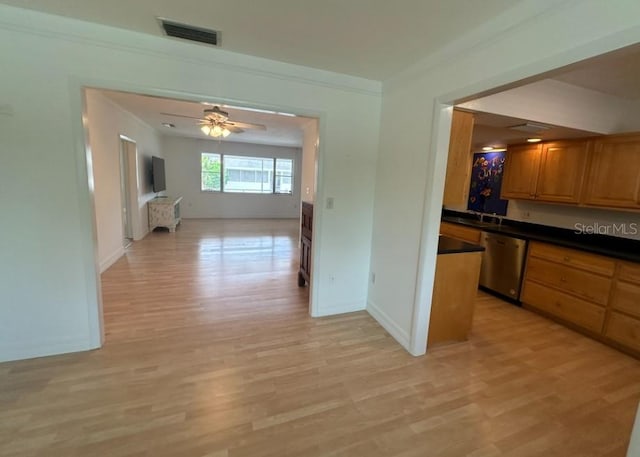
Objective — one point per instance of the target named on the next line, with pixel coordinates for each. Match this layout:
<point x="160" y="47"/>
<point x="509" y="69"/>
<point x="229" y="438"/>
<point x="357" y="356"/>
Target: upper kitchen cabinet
<point x="456" y="188"/>
<point x="562" y="170"/>
<point x="547" y="172"/>
<point x="613" y="179"/>
<point x="521" y="171"/>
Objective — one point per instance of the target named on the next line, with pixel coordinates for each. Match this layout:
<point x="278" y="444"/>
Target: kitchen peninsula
<point x="455" y="290"/>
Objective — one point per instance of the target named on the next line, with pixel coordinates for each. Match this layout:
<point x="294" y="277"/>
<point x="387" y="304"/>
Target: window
<point x="211" y="167"/>
<point x="284" y="176"/>
<point x="248" y="174"/>
<point x="240" y="174"/>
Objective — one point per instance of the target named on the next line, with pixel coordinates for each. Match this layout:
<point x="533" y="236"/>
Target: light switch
<point x="329" y="202"/>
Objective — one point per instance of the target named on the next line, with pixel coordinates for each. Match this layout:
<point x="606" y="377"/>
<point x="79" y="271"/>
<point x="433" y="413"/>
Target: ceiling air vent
<point x="530" y="127"/>
<point x="189" y="32"/>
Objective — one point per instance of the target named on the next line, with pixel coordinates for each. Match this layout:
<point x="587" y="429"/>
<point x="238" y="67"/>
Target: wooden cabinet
<point x="460" y="232"/>
<point x="573" y="258"/>
<point x="624" y="330"/>
<point x="571" y="285"/>
<point x="562" y="168"/>
<point x="613" y="179"/>
<point x="565" y="306"/>
<point x="623" y="324"/>
<point x="456" y="188"/>
<point x="603" y="172"/>
<point x="306" y="234"/>
<point x="583" y="284"/>
<point x="550" y="172"/>
<point x="521" y="172"/>
<point x="591" y="292"/>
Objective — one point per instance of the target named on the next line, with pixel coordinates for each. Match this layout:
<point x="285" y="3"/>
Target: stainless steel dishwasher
<point x="502" y="264"/>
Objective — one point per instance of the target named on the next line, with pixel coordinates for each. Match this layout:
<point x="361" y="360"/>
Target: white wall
<point x="573" y="218"/>
<point x="634" y="442"/>
<point x="413" y="143"/>
<point x="106" y="122"/>
<point x="558" y="103"/>
<point x="182" y="164"/>
<point x="48" y="267"/>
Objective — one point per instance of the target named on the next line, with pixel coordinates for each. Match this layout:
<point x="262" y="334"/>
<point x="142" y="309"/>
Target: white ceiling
<point x="616" y="73"/>
<point x="281" y="130"/>
<point x="493" y="130"/>
<point x="367" y="38"/>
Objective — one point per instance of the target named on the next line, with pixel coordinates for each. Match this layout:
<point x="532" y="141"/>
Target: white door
<point x="127" y="149"/>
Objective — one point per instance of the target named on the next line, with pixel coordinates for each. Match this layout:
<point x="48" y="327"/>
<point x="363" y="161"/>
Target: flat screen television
<point x="157" y="174"/>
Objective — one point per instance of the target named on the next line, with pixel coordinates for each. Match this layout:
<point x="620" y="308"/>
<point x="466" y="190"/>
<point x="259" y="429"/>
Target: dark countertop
<point x="448" y="245"/>
<point x="611" y="246"/>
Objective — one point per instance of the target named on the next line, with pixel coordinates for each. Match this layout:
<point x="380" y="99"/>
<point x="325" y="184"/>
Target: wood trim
<point x="458" y="174"/>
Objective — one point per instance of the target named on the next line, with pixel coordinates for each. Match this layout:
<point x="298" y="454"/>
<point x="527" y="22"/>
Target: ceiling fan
<point x="216" y="123"/>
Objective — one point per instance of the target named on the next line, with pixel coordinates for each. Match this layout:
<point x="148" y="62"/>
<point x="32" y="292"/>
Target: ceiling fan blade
<point x="247" y="125"/>
<point x="234" y="129"/>
<point x="181" y="115"/>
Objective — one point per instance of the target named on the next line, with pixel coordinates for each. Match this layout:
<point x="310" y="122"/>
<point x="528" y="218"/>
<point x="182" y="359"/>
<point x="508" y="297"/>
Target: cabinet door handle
<point x="563" y="279"/>
<point x="567" y="258"/>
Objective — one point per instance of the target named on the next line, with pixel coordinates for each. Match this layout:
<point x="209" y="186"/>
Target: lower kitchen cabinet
<point x="567" y="307"/>
<point x="571" y="285"/>
<point x="624" y="330"/>
<point x="623" y="324"/>
<point x="583" y="284"/>
<point x="460" y="232"/>
<point x="588" y="292"/>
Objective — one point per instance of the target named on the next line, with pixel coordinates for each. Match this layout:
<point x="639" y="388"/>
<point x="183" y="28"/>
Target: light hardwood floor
<point x="210" y="353"/>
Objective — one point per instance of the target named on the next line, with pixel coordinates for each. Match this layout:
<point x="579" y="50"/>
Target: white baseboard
<point x="111" y="259"/>
<point x="340" y="308"/>
<point x="138" y="236"/>
<point x="43" y="349"/>
<point x="389" y="325"/>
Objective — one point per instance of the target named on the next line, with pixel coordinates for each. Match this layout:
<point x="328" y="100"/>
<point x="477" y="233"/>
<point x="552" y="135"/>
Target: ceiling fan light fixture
<point x="216" y="131"/>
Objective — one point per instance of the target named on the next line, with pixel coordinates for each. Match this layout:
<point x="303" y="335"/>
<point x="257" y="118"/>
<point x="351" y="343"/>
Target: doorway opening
<point x="560" y="133"/>
<point x="238" y="198"/>
<point x="128" y="159"/>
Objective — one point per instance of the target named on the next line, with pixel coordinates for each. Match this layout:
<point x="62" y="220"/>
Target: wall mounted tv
<point x="157" y="174"/>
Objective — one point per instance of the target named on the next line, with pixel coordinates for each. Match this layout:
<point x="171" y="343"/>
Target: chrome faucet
<point x="480" y="215"/>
